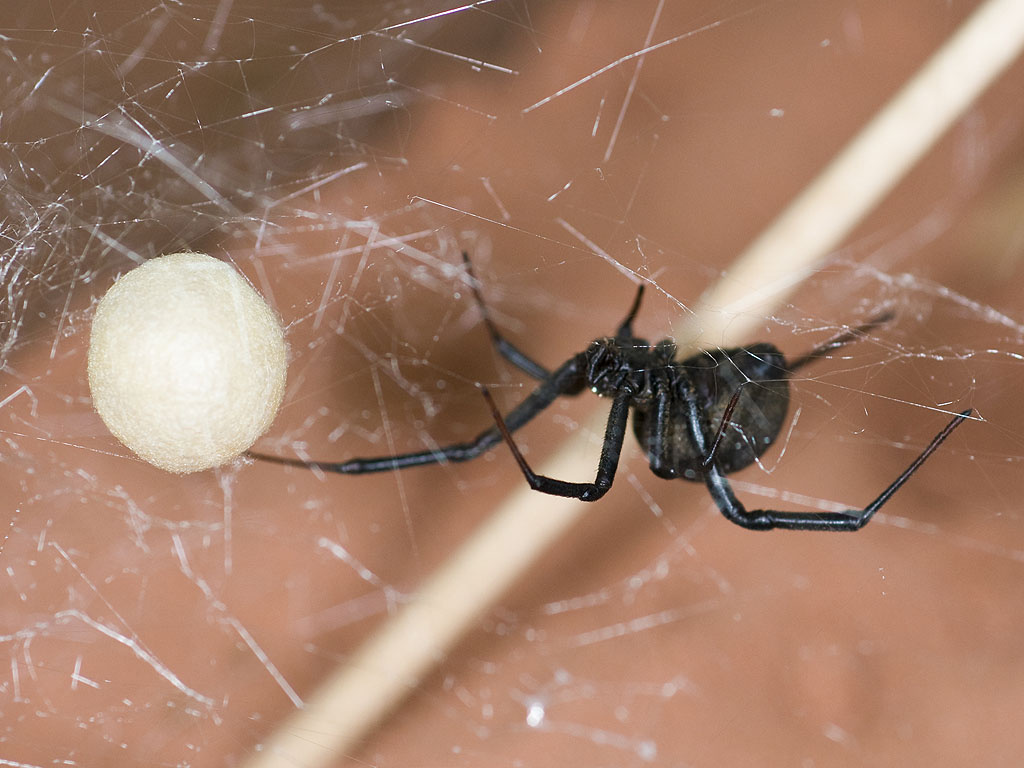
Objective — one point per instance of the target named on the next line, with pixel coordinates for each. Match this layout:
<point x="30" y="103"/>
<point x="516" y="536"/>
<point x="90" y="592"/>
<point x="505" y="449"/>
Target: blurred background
<point x="342" y="156"/>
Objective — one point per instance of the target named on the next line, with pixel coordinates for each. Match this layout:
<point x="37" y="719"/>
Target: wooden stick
<point x="867" y="169"/>
<point x="389" y="666"/>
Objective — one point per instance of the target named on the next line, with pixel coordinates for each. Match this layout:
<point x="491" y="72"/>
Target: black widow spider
<point x="698" y="419"/>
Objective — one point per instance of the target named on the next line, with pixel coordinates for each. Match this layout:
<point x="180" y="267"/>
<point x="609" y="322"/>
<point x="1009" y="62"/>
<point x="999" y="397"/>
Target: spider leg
<point x="841" y="340"/>
<point x="614" y="433"/>
<point x="507" y="349"/>
<point x="567" y="380"/>
<point x="726" y="418"/>
<point x="850" y="520"/>
<point x="662" y="416"/>
<point x="656" y="449"/>
<point x="626" y="327"/>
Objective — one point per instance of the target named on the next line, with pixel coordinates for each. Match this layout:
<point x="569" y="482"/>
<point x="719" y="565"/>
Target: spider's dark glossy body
<point x="716" y="376"/>
<point x="699" y="419"/>
<point x="649" y="375"/>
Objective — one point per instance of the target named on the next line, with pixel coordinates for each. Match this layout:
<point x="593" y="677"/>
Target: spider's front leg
<point x="505" y="348"/>
<point x="568" y="379"/>
<point x="614" y="434"/>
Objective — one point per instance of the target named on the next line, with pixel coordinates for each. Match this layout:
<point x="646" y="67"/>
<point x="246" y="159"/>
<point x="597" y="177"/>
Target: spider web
<point x="343" y="157"/>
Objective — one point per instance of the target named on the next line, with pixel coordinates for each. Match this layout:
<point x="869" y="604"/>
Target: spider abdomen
<point x="713" y="377"/>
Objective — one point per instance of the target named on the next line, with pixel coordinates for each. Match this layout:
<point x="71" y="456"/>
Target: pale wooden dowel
<point x="867" y="169"/>
<point x="390" y="665"/>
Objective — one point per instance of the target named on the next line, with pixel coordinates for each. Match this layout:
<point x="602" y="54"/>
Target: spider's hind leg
<point x="507" y="349"/>
<point x="848" y="520"/>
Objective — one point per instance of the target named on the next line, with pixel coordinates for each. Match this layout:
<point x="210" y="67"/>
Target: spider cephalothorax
<point x="698" y="419"/>
<point x="614" y="365"/>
